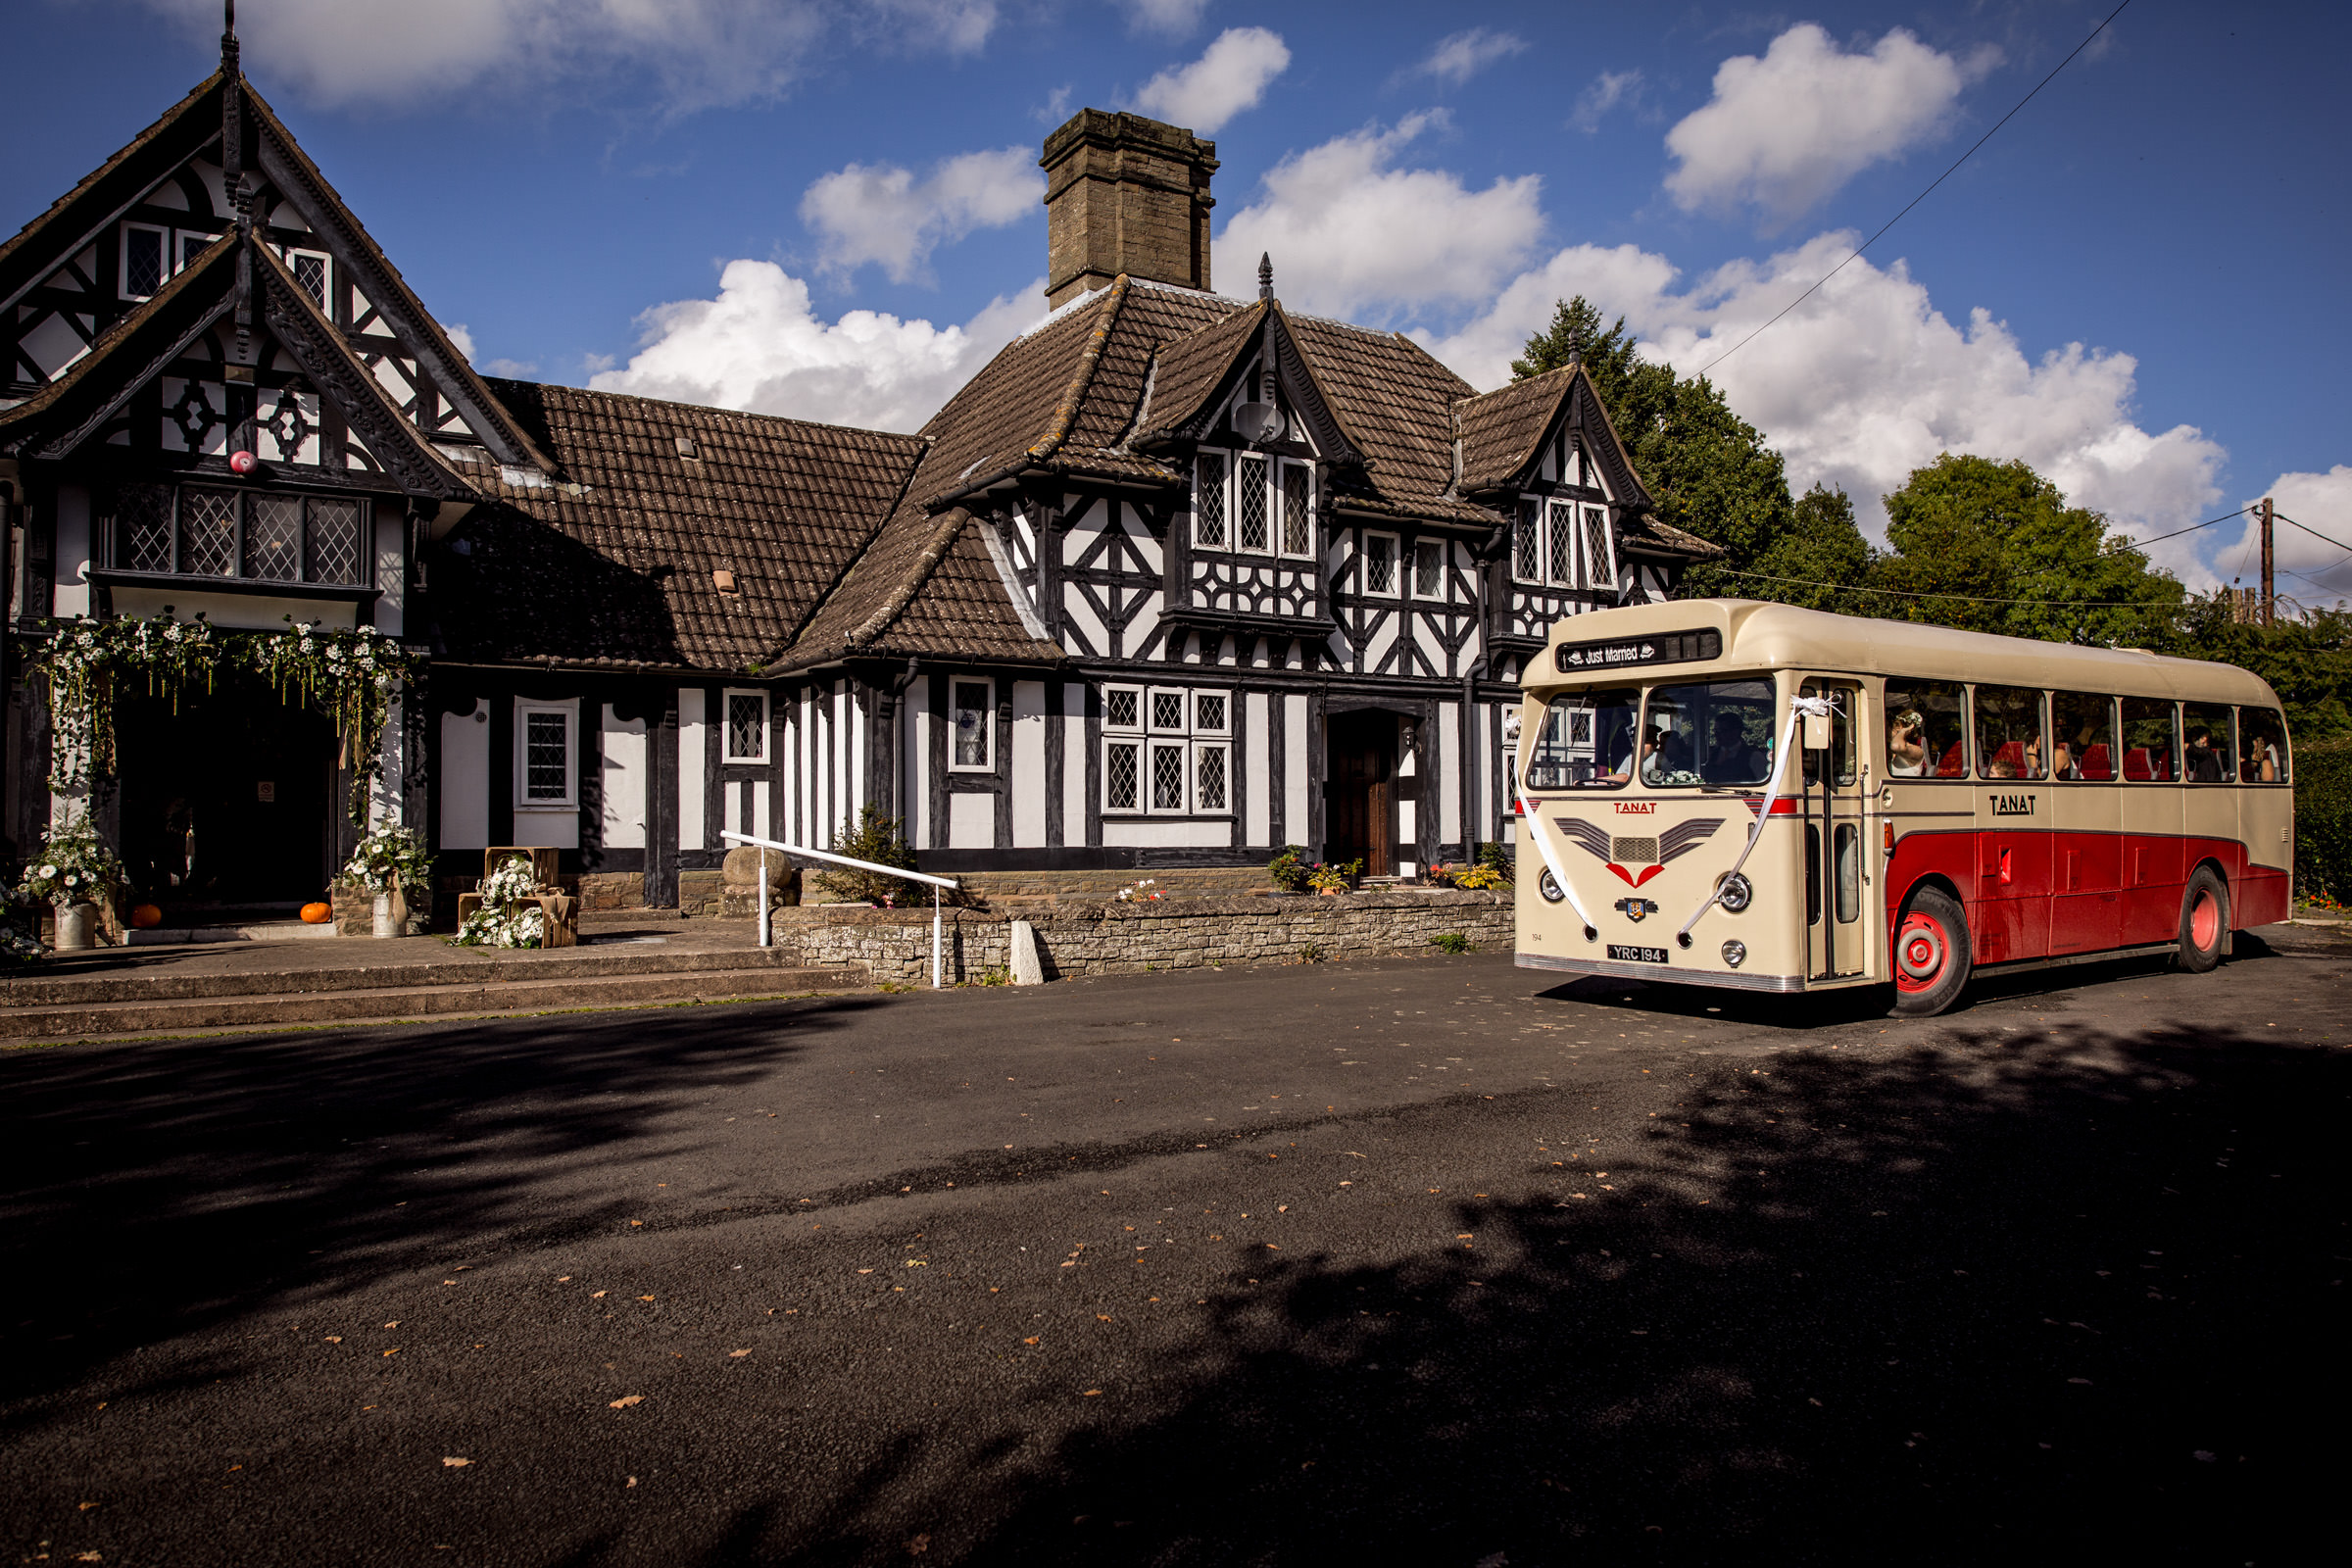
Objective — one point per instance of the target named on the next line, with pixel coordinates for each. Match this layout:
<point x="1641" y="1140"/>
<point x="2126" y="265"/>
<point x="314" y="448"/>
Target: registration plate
<point x="1625" y="955"/>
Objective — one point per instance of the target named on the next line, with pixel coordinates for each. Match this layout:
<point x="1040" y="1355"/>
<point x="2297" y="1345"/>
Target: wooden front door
<point x="1359" y="790"/>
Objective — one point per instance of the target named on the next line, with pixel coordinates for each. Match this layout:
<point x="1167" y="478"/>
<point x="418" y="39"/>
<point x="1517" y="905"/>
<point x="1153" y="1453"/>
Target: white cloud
<point x="1459" y="58"/>
<point x="1174" y="18"/>
<point x="459" y="337"/>
<point x="698" y="53"/>
<point x="1232" y="75"/>
<point x="1868" y="380"/>
<point x="760" y="347"/>
<point x="1785" y="130"/>
<point x="1349" y="231"/>
<point x="1605" y="93"/>
<point x="2321" y="501"/>
<point x="880" y="213"/>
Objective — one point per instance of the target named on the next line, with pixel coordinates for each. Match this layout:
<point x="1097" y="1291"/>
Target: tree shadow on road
<point x="2014" y="1296"/>
<point x="154" y="1189"/>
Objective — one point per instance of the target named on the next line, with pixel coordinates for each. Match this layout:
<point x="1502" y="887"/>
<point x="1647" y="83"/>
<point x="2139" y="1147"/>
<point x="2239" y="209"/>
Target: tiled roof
<point x="1397" y="404"/>
<point x="1500" y="429"/>
<point x="616" y="563"/>
<point x="1190" y="368"/>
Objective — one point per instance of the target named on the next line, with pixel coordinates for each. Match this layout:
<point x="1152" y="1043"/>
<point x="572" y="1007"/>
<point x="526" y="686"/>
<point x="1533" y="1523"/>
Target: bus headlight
<point x="1549" y="888"/>
<point x="1737" y="893"/>
<point x="1735" y="953"/>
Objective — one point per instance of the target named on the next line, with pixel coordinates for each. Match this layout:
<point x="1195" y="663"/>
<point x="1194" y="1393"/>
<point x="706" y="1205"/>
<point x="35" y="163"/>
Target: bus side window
<point x="2147" y="741"/>
<point x="1924" y="729"/>
<point x="2083" y="743"/>
<point x="2208" y="754"/>
<point x="2009" y="742"/>
<point x="2262" y="741"/>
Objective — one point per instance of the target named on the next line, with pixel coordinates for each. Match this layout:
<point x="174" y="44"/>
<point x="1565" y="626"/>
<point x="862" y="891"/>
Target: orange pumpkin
<point x="318" y="914"/>
<point x="146" y="917"/>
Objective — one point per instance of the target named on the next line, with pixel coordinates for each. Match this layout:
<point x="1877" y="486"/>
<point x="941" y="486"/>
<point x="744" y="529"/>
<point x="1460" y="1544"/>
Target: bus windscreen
<point x="1587" y="741"/>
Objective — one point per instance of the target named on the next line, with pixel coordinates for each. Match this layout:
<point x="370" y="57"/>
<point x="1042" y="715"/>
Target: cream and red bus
<point x="1729" y="793"/>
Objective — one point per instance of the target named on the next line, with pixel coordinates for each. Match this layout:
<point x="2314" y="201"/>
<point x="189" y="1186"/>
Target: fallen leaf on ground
<point x="1090" y="1394"/>
<point x="596" y="1295"/>
<point x="334" y="1339"/>
<point x="395" y="1351"/>
<point x="739" y="1352"/>
<point x="627" y="1399"/>
<point x="455" y="1464"/>
<point x="645" y="1298"/>
<point x="1031" y="1339"/>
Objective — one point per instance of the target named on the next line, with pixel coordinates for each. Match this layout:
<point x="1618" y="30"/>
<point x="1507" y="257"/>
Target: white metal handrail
<point x="766" y="937"/>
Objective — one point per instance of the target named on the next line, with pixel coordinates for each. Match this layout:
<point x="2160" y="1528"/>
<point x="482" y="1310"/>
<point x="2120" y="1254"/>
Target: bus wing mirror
<point x="1817" y="732"/>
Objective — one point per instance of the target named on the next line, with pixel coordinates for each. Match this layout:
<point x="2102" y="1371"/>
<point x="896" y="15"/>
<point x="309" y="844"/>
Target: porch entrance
<point x="1359" y="790"/>
<point x="229" y="805"/>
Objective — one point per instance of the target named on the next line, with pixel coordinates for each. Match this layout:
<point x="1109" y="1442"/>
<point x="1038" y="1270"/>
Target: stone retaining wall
<point x="1131" y="937"/>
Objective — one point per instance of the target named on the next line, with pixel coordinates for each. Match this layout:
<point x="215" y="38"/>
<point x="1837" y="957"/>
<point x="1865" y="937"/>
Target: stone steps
<point x="103" y="1004"/>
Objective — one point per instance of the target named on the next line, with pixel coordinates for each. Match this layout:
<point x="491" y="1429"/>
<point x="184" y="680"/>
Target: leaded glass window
<point x="546" y="756"/>
<point x="1167" y="778"/>
<point x="747" y="727"/>
<point x="1208" y="777"/>
<point x="1563" y="541"/>
<point x="143" y="528"/>
<point x="310" y="271"/>
<point x="207" y="532"/>
<point x="1122" y="707"/>
<point x="1209" y="712"/>
<point x="1120" y="775"/>
<point x="1429" y="569"/>
<point x="1380" y="563"/>
<point x="274" y="538"/>
<point x="972" y="728"/>
<point x="1209" y="499"/>
<point x="1527" y="546"/>
<point x="334" y="541"/>
<point x="1297" y="508"/>
<point x="1601" y="566"/>
<point x="1250" y="501"/>
<point x="1167" y="710"/>
<point x="142" y="261"/>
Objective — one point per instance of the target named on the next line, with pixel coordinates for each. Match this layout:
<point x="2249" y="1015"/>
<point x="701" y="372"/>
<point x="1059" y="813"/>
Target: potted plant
<point x="1331" y="880"/>
<point x="74" y="871"/>
<point x="1287" y="871"/>
<point x="510" y="914"/>
<point x="387" y="863"/>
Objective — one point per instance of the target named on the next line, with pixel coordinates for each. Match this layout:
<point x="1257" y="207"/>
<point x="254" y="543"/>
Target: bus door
<point x="1836" y="936"/>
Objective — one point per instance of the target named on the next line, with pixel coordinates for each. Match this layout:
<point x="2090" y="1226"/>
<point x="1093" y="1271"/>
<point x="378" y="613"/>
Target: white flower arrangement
<point x="505" y="920"/>
<point x="1134" y="891"/>
<point x="387" y="859"/>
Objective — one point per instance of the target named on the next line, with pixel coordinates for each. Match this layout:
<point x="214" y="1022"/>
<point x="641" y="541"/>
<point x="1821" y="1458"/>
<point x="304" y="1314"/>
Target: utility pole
<point x="2269" y="587"/>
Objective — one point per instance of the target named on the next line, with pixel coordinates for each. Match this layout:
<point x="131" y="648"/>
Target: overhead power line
<point x="1974" y="599"/>
<point x="1915" y="200"/>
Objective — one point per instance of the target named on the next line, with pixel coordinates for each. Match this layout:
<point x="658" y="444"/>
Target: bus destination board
<point x="1624" y="653"/>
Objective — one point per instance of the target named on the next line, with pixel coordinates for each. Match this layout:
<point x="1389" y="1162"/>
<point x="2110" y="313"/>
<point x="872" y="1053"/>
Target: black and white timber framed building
<point x="1177" y="579"/>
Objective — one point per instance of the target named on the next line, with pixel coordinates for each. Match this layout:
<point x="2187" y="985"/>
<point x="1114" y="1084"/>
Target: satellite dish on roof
<point x="1258" y="422"/>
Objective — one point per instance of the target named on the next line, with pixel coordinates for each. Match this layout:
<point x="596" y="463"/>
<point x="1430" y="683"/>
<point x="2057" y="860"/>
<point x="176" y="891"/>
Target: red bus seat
<point x="1952" y="766"/>
<point x="2098" y="763"/>
<point x="2013" y="753"/>
<point x="2136" y="765"/>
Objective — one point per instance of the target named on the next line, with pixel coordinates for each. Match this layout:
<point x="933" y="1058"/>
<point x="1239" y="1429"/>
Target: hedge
<point x="2324" y="821"/>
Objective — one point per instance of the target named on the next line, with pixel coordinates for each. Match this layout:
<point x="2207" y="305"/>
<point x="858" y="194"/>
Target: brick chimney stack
<point x="1125" y="194"/>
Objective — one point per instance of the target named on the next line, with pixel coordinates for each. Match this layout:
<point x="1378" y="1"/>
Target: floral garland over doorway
<point x="352" y="676"/>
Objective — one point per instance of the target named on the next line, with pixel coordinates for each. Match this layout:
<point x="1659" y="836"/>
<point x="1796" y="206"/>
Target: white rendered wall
<point x="971" y="821"/>
<point x="1293" y="766"/>
<point x="1028" y="742"/>
<point x="625" y="777"/>
<point x="1263" y="774"/>
<point x="466" y="779"/>
<point x="1073" y="763"/>
<point x="691" y="767"/>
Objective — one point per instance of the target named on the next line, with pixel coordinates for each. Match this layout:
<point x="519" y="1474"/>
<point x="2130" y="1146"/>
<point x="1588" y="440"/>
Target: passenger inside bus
<point x="1708" y="732"/>
<point x="2086" y="729"/>
<point x="1906" y="748"/>
<point x="1932" y="741"/>
<point x="2264" y="742"/>
<point x="2009" y="732"/>
<point x="1579" y="730"/>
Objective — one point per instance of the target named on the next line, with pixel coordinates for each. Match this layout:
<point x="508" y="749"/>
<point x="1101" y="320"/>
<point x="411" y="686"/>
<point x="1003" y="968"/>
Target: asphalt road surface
<point x="1426" y="1262"/>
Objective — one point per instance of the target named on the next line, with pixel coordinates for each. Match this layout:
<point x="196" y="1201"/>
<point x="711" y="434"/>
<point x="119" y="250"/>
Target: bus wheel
<point x="1931" y="953"/>
<point x="2204" y="921"/>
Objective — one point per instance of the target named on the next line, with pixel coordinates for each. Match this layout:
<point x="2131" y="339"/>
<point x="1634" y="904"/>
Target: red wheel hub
<point x="1921" y="950"/>
<point x="2205" y="921"/>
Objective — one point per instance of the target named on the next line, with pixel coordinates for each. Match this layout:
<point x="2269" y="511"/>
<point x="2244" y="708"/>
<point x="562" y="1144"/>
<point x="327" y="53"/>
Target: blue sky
<point x="830" y="210"/>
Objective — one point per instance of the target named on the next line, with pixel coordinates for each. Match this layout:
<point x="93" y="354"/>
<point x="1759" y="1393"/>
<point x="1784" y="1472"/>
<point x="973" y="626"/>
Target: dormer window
<point x="1561" y="543"/>
<point x="143" y="261"/>
<point x="1253" y="504"/>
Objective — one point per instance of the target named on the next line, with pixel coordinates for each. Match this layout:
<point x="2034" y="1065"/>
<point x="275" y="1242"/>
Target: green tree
<point x="1709" y="469"/>
<point x="1998" y="531"/>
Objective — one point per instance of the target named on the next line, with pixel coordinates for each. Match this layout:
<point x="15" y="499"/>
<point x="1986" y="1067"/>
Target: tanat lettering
<point x="2013" y="806"/>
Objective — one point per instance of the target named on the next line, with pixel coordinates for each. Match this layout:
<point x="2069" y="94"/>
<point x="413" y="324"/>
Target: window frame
<point x="1363" y="565"/>
<point x="2285" y="751"/>
<point x="162" y="260"/>
<point x="1277" y="477"/>
<point x="569" y="711"/>
<point x="1222" y="490"/>
<point x="2228" y="751"/>
<point x="185" y="242"/>
<point x="1589" y="518"/>
<point x="987" y="724"/>
<point x="175" y="509"/>
<point x="325" y="297"/>
<point x="2173" y="771"/>
<point x="726" y="729"/>
<point x="1976" y="736"/>
<point x="1189" y="737"/>
<point x="2052" y="700"/>
<point x="1927" y="775"/>
<point x="1438" y="547"/>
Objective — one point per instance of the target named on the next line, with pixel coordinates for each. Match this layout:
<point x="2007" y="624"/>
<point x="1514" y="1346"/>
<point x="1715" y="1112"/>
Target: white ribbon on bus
<point x="1799" y="709"/>
<point x="766" y="937"/>
<point x="1559" y="875"/>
